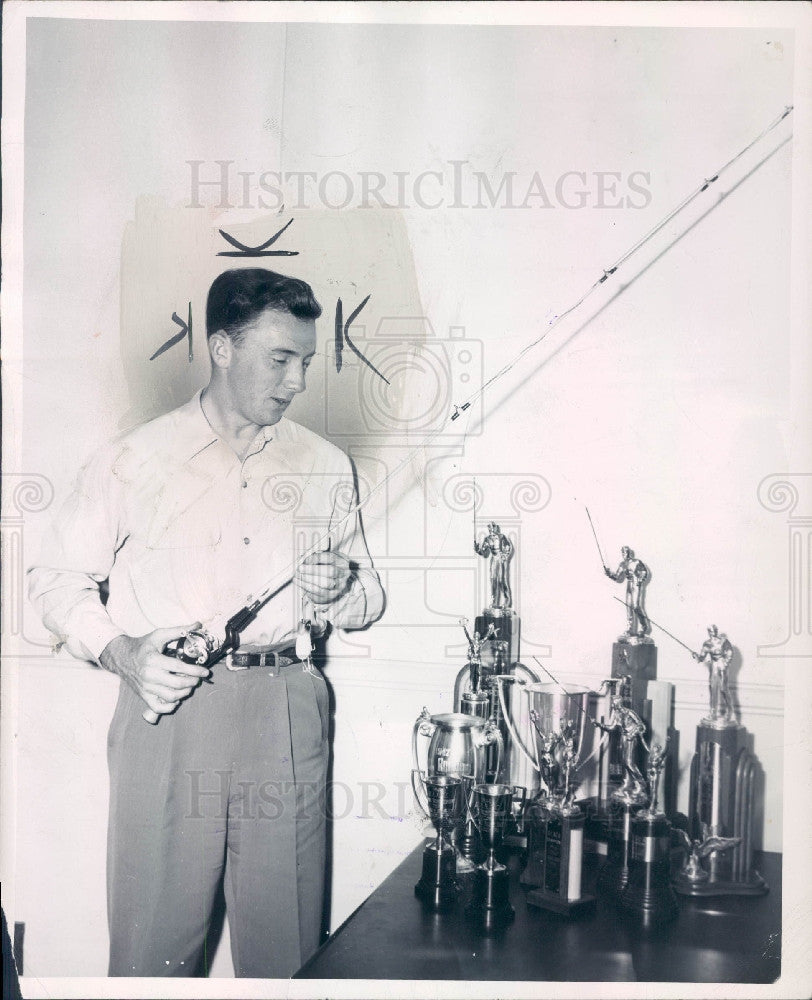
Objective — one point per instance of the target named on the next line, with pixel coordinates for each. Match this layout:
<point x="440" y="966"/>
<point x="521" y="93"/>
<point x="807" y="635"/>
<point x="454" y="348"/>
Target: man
<point x="185" y="517"/>
<point x="636" y="574"/>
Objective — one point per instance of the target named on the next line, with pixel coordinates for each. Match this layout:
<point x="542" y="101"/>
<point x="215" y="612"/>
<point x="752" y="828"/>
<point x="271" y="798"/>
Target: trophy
<point x="490" y="806"/>
<point x="475" y="693"/>
<point x="443" y="796"/>
<point x="555" y="849"/>
<point x="497" y="633"/>
<point x="634" y="654"/>
<point x="457" y="745"/>
<point x="498" y="549"/>
<point x="627" y="723"/>
<point x="648" y="895"/>
<point x="614" y="875"/>
<point x="722" y="791"/>
<point x="471" y="690"/>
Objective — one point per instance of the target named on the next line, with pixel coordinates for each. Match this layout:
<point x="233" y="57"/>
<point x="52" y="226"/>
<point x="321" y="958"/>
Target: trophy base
<point x="637" y="660"/>
<point x="636" y="640"/>
<point x="555" y="903"/>
<point x="648" y="897"/>
<point x="490" y="906"/>
<point x="554" y="859"/>
<point x="756" y="886"/>
<point x="710" y="723"/>
<point x="437" y="889"/>
<point x="722" y="797"/>
<point x="516" y="841"/>
<point x="468" y="849"/>
<point x="506" y="625"/>
<point x="614" y="876"/>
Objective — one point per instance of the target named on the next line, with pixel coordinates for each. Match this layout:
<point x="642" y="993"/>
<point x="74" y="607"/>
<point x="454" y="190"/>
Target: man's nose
<point x="295" y="377"/>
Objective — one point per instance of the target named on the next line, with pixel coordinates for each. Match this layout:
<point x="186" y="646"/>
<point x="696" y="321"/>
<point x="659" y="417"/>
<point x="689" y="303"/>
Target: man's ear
<point x="220" y="349"/>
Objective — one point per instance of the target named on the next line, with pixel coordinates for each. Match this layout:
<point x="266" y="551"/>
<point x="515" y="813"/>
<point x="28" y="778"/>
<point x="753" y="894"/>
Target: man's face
<point x="268" y="365"/>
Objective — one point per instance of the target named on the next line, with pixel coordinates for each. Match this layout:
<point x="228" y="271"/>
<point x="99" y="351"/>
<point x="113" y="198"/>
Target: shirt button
<point x="244" y="484"/>
<point x="247" y="541"/>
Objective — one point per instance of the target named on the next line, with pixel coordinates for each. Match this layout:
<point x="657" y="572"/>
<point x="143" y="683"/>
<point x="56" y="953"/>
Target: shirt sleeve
<point x="363" y="602"/>
<point x="78" y="553"/>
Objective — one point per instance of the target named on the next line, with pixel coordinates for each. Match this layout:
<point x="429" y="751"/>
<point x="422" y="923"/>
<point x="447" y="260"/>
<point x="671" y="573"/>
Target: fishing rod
<point x="609" y="271"/>
<point x="558" y="684"/>
<point x="222" y="634"/>
<point x="594" y="535"/>
<point x="662" y="629"/>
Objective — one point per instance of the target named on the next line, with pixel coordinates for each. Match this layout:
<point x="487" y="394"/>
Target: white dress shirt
<point x="185" y="531"/>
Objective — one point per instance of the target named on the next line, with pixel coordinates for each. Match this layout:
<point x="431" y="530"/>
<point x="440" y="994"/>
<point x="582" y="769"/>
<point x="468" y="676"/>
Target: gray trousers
<point x="230" y="787"/>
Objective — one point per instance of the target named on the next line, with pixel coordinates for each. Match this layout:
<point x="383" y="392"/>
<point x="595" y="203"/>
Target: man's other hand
<point x="324" y="576"/>
<point x="162" y="682"/>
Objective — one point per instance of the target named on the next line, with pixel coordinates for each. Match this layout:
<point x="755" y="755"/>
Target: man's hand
<point x="162" y="682"/>
<point x="324" y="576"/>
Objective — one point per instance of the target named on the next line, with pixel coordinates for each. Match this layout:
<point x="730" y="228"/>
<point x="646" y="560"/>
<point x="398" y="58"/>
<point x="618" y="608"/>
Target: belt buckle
<point x="231" y="665"/>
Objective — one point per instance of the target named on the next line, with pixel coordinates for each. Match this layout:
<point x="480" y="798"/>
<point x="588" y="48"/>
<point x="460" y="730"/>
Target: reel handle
<point x="195" y="647"/>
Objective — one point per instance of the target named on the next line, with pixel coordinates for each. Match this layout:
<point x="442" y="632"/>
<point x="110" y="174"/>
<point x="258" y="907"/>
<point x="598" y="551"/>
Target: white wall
<point x="662" y="405"/>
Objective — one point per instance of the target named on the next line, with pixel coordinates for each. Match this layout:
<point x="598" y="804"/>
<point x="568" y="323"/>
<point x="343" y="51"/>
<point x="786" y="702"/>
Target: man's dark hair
<point x="237" y="297"/>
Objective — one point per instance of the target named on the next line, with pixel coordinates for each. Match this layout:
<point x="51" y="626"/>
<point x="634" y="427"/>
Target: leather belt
<point x="272" y="660"/>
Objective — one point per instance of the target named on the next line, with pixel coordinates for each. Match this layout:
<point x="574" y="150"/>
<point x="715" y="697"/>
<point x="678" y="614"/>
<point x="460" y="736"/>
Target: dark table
<point x="733" y="939"/>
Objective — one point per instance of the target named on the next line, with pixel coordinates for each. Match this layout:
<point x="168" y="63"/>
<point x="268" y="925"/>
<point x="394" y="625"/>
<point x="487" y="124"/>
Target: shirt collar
<point x="195" y="433"/>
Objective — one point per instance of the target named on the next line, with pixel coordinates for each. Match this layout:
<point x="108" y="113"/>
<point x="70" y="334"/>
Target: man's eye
<point x="279" y="361"/>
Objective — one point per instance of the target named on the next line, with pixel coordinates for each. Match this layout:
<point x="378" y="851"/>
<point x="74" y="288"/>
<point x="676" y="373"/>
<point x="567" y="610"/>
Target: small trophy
<point x="437" y="887"/>
<point x="648" y="896"/>
<point x="490" y="806"/>
<point x="471" y="695"/>
<point x="631" y="729"/>
<point x="499" y="550"/>
<point x="628" y="797"/>
<point x="722" y="791"/>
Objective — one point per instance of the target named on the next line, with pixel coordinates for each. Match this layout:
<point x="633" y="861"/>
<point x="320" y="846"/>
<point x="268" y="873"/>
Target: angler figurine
<point x="717" y="652"/>
<point x="636" y="574"/>
<point x="500" y="550"/>
<point x="632" y="728"/>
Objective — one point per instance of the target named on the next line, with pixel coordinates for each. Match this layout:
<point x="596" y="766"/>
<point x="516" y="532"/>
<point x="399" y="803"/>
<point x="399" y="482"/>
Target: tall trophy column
<point x="634" y="654"/>
<point x="634" y="664"/>
<point x="722" y="795"/>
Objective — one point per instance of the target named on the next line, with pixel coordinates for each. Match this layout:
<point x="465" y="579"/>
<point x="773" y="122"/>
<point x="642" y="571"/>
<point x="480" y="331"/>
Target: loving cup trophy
<point x="442" y="794"/>
<point x="490" y="807"/>
<point x="558" y="740"/>
<point x="457" y="745"/>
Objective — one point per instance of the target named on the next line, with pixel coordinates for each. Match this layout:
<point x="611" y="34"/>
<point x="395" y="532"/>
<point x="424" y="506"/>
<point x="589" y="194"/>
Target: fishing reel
<point x="197" y="646"/>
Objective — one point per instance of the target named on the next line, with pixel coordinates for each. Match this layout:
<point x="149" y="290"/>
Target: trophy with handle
<point x="442" y="794"/>
<point x="457" y="745"/>
<point x="558" y="741"/>
<point x="490" y="807"/>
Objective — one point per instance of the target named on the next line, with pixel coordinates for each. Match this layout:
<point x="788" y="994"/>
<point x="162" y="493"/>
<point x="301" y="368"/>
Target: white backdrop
<point x="663" y="404"/>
